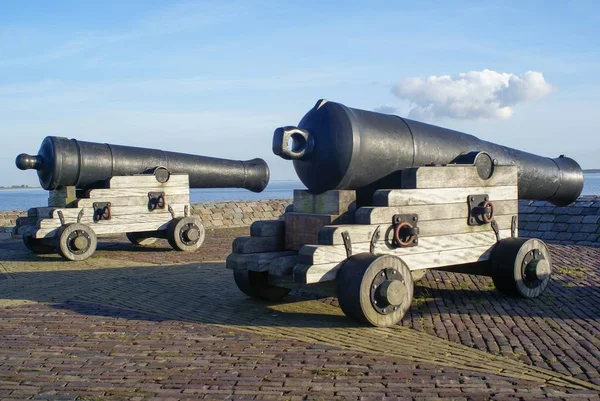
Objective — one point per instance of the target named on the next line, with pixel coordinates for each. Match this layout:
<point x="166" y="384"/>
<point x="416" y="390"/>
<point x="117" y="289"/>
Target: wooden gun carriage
<point x="144" y="207"/>
<point x="443" y="217"/>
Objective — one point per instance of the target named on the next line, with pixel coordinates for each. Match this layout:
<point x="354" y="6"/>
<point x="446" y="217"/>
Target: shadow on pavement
<point x="207" y="293"/>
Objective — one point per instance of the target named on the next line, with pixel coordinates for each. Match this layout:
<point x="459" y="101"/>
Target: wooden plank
<point x="384" y="215"/>
<point x="116" y="211"/>
<point x="332" y="235"/>
<point x="148" y="181"/>
<point x="283" y="266"/>
<point x="62" y="196"/>
<point x="333" y="202"/>
<point x="309" y="274"/>
<point x="118" y="218"/>
<point x="114" y="221"/>
<point x="267" y="228"/>
<point x="104" y="229"/>
<point x="103" y="193"/>
<point x="258" y="244"/>
<point x="133" y="201"/>
<point x="456" y="175"/>
<point x="321" y="254"/>
<point x="408" y="197"/>
<point x="70" y="214"/>
<point x="25" y="221"/>
<point x="258" y="262"/>
<point x="295" y="240"/>
<point x="303" y="228"/>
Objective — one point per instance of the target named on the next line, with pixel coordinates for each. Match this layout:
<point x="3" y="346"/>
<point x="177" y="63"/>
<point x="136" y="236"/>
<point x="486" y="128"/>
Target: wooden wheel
<point x="256" y="285"/>
<point x="76" y="241"/>
<point x="377" y="290"/>
<point x="521" y="267"/>
<point x="140" y="239"/>
<point x="186" y="233"/>
<point x="38" y="246"/>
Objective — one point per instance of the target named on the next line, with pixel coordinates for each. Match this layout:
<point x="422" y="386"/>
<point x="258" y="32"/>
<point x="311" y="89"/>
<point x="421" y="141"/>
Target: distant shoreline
<point x="586" y="171"/>
<point x="18" y="187"/>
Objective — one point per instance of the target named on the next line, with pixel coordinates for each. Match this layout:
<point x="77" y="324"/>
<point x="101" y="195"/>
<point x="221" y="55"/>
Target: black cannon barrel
<point x="64" y="162"/>
<point x="338" y="147"/>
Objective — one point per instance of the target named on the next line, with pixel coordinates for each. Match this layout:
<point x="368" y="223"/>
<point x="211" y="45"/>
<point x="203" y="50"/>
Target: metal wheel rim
<point x="388" y="274"/>
<point x="71" y="239"/>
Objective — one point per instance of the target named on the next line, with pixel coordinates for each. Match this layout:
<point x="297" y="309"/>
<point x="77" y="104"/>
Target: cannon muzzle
<point x="64" y="162"/>
<point x="337" y="147"/>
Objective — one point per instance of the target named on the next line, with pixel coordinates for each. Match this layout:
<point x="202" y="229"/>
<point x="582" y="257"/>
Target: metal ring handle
<point x="484" y="216"/>
<point x="105" y="213"/>
<point x="397" y="229"/>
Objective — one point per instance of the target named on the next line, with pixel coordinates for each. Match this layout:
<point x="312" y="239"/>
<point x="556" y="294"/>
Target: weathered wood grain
<point x="303" y="228"/>
<point x="115" y="221"/>
<point x="334" y="202"/>
<point x="104" y="229"/>
<point x="321" y="254"/>
<point x="332" y="234"/>
<point x="103" y="193"/>
<point x="249" y="244"/>
<point x="456" y="176"/>
<point x="258" y="262"/>
<point x="133" y="201"/>
<point x="309" y="274"/>
<point x="61" y="197"/>
<point x="384" y="215"/>
<point x="408" y="197"/>
<point x="70" y="214"/>
<point x="267" y="228"/>
<point x="148" y="181"/>
<point x="283" y="266"/>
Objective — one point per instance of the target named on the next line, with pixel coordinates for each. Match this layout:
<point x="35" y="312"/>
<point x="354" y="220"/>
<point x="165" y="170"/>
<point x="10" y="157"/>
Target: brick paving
<point x="131" y="324"/>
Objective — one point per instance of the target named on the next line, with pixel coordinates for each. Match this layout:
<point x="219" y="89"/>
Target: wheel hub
<point x="388" y="291"/>
<point x="391" y="292"/>
<point x="190" y="234"/>
<point x="535" y="268"/>
<point x="78" y="242"/>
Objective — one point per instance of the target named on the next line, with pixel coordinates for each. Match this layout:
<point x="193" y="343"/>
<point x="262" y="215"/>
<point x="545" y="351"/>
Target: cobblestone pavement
<point x="131" y="324"/>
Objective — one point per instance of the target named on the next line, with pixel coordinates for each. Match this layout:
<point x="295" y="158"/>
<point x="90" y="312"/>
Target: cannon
<point x="388" y="199"/>
<point x="100" y="189"/>
<point x="338" y="147"/>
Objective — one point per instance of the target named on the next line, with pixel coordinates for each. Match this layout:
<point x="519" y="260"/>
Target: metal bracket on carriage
<point x="61" y="217"/>
<point x="496" y="230"/>
<point x="481" y="210"/>
<point x="156" y="200"/>
<point x="374" y="239"/>
<point x="101" y="211"/>
<point x="513" y="227"/>
<point x="406" y="232"/>
<point x="347" y="243"/>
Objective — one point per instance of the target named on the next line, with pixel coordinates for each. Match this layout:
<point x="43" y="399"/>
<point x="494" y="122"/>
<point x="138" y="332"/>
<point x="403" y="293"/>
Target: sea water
<point x="23" y="199"/>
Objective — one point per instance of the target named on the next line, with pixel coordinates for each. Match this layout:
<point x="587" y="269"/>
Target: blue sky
<point x="216" y="78"/>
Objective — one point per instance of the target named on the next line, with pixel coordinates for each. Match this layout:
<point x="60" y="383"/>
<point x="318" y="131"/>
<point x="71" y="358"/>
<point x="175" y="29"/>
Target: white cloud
<point x="471" y="95"/>
<point x="386" y="110"/>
